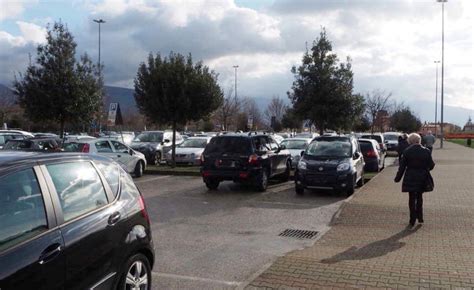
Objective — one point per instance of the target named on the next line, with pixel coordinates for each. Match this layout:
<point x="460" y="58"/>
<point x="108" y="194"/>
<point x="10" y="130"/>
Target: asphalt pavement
<point x="226" y="238"/>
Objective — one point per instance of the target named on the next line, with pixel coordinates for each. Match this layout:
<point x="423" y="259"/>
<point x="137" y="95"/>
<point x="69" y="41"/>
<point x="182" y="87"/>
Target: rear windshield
<point x="73" y="147"/>
<point x="391" y="137"/>
<point x="228" y="144"/>
<point x="365" y="147"/>
<point x="373" y="137"/>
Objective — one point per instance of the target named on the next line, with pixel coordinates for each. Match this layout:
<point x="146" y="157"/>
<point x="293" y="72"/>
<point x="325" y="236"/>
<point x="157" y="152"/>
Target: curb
<point x="172" y="172"/>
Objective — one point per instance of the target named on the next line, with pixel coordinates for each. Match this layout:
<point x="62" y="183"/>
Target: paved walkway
<point x="369" y="246"/>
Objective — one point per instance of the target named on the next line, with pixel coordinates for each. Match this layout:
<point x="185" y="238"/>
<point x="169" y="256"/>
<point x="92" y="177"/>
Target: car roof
<point x="332" y="138"/>
<point x="9" y="159"/>
<point x="368" y="140"/>
<point x="199" y="138"/>
<point x="298" y="139"/>
<point x="17" y="132"/>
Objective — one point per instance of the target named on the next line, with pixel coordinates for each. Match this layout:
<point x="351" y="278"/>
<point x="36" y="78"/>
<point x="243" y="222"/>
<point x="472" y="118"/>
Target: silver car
<point x="189" y="152"/>
<point x="295" y="146"/>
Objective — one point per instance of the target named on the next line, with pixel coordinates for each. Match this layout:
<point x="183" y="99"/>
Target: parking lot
<point x="222" y="239"/>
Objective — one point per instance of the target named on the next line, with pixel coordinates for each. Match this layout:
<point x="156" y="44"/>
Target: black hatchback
<point x="252" y="158"/>
<point x="330" y="163"/>
<point x="71" y="221"/>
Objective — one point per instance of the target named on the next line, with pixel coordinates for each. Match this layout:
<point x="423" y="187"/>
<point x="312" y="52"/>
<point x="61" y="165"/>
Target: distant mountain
<point x="6" y="92"/>
<point x="123" y="96"/>
<point x="425" y="110"/>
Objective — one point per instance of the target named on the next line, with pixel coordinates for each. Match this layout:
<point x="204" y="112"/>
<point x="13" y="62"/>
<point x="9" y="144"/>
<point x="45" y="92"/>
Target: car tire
<point x="361" y="181"/>
<point x="139" y="168"/>
<point x="262" y="180"/>
<point x="157" y="159"/>
<point x="138" y="267"/>
<point x="299" y="190"/>
<point x="383" y="165"/>
<point x="350" y="191"/>
<point x="286" y="175"/>
<point x="212" y="184"/>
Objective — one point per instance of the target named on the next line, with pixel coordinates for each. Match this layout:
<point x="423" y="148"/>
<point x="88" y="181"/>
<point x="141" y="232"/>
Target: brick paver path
<point x="369" y="246"/>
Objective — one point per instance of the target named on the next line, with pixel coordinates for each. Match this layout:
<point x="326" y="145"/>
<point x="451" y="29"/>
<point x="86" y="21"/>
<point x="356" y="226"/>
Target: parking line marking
<point x="197" y="279"/>
<point x="151" y="179"/>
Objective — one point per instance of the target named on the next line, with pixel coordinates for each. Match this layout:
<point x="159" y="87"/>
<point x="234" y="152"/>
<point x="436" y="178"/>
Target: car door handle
<point x="50" y="253"/>
<point x="114" y="218"/>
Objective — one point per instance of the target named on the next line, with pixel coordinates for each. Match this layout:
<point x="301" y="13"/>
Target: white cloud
<point x="32" y="32"/>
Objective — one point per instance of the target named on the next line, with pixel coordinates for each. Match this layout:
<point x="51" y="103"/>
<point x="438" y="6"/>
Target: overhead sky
<point x="392" y="44"/>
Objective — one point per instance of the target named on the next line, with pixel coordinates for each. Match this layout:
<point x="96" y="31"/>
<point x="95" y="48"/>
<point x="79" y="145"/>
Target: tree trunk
<point x="62" y="129"/>
<point x="173" y="146"/>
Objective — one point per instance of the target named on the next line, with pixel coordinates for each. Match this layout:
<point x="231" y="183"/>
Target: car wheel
<point x="212" y="184"/>
<point x="299" y="190"/>
<point x="383" y="164"/>
<point x="137" y="274"/>
<point x="286" y="175"/>
<point x="350" y="191"/>
<point x="157" y="158"/>
<point x="139" y="169"/>
<point x="262" y="180"/>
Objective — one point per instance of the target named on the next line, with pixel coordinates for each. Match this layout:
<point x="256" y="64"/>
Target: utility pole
<point x="442" y="71"/>
<point x="235" y="81"/>
<point x="436" y="99"/>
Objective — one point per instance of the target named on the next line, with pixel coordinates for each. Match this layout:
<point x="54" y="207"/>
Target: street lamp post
<point x="442" y="71"/>
<point x="100" y="21"/>
<point x="235" y="80"/>
<point x="436" y="99"/>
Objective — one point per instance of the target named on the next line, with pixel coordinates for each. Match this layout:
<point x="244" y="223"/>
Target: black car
<point x="330" y="162"/>
<point x="71" y="221"/>
<point x="155" y="144"/>
<point x="34" y="144"/>
<point x="252" y="158"/>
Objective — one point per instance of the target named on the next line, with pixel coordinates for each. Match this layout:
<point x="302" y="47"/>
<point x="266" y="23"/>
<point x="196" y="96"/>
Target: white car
<point x="189" y="152"/>
<point x="295" y="146"/>
<point x="132" y="161"/>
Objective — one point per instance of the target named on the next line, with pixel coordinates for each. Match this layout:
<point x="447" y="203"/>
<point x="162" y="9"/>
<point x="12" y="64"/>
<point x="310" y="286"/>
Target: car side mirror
<point x="302" y="153"/>
<point x="282" y="147"/>
<point x="130" y="152"/>
<point x="356" y="155"/>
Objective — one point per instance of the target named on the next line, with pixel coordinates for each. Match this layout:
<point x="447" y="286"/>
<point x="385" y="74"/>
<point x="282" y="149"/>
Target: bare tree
<point x="250" y="108"/>
<point x="227" y="112"/>
<point x="376" y="102"/>
<point x="277" y="109"/>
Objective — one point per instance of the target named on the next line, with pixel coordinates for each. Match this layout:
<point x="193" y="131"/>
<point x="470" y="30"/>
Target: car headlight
<point x="343" y="167"/>
<point x="302" y="165"/>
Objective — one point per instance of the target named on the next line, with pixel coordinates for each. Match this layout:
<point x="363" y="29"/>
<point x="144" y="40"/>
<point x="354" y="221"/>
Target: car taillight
<point x="371" y="153"/>
<point x="253" y="159"/>
<point x="143" y="209"/>
<point x="85" y="148"/>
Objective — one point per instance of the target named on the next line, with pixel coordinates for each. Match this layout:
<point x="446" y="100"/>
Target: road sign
<point x="115" y="115"/>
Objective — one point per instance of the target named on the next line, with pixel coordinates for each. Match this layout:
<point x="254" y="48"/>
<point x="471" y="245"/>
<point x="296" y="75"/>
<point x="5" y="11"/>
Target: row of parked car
<point x="323" y="162"/>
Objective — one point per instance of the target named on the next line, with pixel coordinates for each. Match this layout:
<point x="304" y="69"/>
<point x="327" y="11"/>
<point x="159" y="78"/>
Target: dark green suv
<point x="246" y="158"/>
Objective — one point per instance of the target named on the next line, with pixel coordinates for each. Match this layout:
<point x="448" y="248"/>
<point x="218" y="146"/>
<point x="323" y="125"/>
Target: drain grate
<point x="298" y="234"/>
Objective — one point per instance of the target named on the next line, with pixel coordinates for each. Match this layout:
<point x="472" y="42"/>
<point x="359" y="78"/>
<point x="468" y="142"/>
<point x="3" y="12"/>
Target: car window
<point x="261" y="143"/>
<point x="111" y="172"/>
<point x="119" y="147"/>
<point x="22" y="211"/>
<point x="273" y="144"/>
<point x="228" y="144"/>
<point x="78" y="186"/>
<point x="73" y="147"/>
<point x="103" y="146"/>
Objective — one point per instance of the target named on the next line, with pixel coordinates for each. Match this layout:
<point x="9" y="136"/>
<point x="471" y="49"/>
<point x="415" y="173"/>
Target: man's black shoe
<point x="421" y="221"/>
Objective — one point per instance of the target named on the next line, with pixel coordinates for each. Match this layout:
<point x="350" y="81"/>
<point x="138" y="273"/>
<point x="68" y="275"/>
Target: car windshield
<point x="373" y="137"/>
<point x="325" y="148"/>
<point x="73" y="147"/>
<point x="194" y="143"/>
<point x="228" y="145"/>
<point x="149" y="137"/>
<point x="294" y="144"/>
<point x="391" y="137"/>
